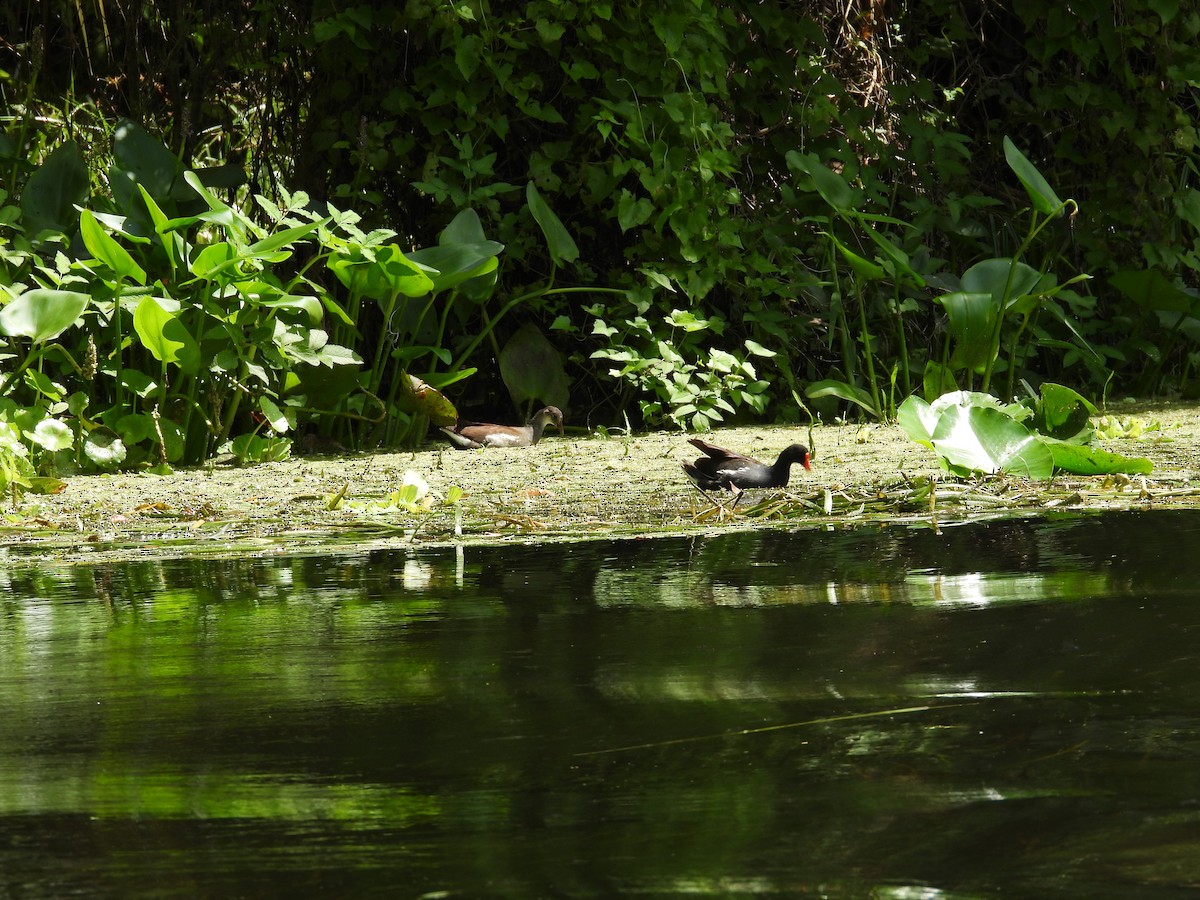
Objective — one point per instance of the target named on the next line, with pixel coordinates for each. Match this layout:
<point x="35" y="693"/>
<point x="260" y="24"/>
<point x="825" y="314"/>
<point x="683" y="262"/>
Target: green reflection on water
<point x="779" y="711"/>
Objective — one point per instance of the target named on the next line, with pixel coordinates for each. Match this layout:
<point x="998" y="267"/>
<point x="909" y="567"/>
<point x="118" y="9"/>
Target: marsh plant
<point x="159" y="324"/>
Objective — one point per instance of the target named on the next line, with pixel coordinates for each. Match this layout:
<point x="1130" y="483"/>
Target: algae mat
<point x="562" y="489"/>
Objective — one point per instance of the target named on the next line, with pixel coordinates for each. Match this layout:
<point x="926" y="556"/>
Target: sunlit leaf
<point x="52" y="434"/>
<point x="1083" y="460"/>
<point x="972" y="317"/>
<point x="843" y="391"/>
<point x="105" y="248"/>
<point x="42" y="314"/>
<point x="1040" y="193"/>
<point x="1061" y="412"/>
<point x="983" y="439"/>
<point x="164" y="335"/>
<point x="417" y="396"/>
<point x="104" y="448"/>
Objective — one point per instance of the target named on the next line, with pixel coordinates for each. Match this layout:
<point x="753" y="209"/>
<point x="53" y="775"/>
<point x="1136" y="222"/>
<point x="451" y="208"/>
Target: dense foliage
<point x="706" y="210"/>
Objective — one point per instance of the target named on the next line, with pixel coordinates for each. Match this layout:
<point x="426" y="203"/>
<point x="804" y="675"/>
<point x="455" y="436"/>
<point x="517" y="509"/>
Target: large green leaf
<point x="972" y="317"/>
<point x="164" y="336"/>
<point x="464" y="228"/>
<point x="146" y="161"/>
<point x="840" y="389"/>
<point x="42" y="314"/>
<point x="105" y="248"/>
<point x="417" y="396"/>
<point x="1040" y="193"/>
<point x="1063" y="413"/>
<point x="532" y="368"/>
<point x="973" y="432"/>
<point x="561" y="245"/>
<point x="1083" y="460"/>
<point x="1151" y="290"/>
<point x="383" y="274"/>
<point x="456" y="263"/>
<point x="53" y="191"/>
<point x="991" y="276"/>
<point x="835" y="190"/>
<point x="984" y="439"/>
<point x="918" y="420"/>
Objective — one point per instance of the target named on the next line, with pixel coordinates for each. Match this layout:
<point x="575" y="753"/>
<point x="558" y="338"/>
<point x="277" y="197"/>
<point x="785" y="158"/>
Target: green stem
<point x="903" y="341"/>
<point x="377" y="362"/>
<point x="865" y="338"/>
<point x="119" y="390"/>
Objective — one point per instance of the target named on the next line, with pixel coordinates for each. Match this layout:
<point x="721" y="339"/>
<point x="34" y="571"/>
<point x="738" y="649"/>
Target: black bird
<point x="721" y="468"/>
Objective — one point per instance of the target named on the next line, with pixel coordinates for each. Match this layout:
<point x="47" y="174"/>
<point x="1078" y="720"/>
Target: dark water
<point x="1005" y="710"/>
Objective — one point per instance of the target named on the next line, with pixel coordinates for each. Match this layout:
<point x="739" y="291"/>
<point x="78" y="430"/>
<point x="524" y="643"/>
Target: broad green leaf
<point x="972" y="317"/>
<point x="1040" y="193"/>
<point x="559" y="242"/>
<point x="383" y="274"/>
<point x="1150" y="289"/>
<point x="417" y="396"/>
<point x="991" y="276"/>
<point x="633" y="211"/>
<point x="146" y="160"/>
<point x="52" y="434"/>
<point x="918" y="420"/>
<point x="843" y="391"/>
<point x="464" y="228"/>
<point x="42" y="314"/>
<point x="135" y="428"/>
<point x="980" y="399"/>
<point x="213" y="259"/>
<point x="52" y="192"/>
<point x="104" y="448"/>
<point x="1083" y="460"/>
<point x="532" y="368"/>
<point x="758" y="349"/>
<point x="1063" y="413"/>
<point x="276" y="418"/>
<point x="937" y="380"/>
<point x="835" y="190"/>
<point x="981" y="439"/>
<point x="105" y="248"/>
<point x="455" y="263"/>
<point x="164" y="336"/>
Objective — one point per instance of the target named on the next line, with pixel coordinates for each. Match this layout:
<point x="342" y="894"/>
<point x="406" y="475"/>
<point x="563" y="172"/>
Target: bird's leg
<point x="710" y="498"/>
<point x="737" y="494"/>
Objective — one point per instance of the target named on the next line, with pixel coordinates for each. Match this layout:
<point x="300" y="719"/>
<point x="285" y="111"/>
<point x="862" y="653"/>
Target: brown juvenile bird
<point x="721" y="468"/>
<point x="474" y="435"/>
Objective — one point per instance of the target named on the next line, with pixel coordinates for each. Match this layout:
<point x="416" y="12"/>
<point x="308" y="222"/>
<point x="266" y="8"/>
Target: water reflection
<point x="1006" y="709"/>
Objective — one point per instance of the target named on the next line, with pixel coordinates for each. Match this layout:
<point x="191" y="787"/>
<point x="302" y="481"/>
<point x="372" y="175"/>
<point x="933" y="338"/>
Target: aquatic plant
<point x="972" y="432"/>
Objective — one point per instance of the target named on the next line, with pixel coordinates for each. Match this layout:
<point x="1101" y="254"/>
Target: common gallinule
<point x="721" y="468"/>
<point x="473" y="435"/>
